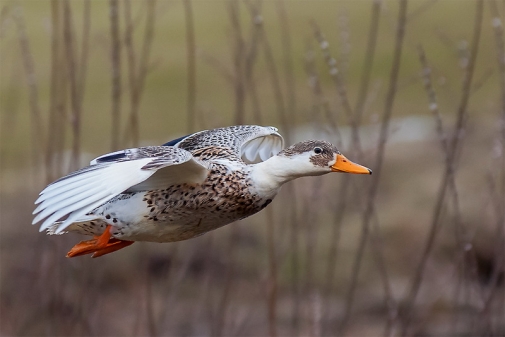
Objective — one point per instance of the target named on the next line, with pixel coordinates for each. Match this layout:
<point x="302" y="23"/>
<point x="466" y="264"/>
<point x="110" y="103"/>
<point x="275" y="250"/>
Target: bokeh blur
<point x="413" y="89"/>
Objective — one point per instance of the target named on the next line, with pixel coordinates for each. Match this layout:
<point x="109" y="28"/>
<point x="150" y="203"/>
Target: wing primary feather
<point x="74" y="187"/>
<point x="81" y="204"/>
<point x="112" y="180"/>
<point x="49" y="208"/>
<point x="69" y="183"/>
<point x="79" y="193"/>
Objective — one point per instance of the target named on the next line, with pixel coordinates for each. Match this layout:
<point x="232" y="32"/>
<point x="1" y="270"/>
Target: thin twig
<point x="276" y="85"/>
<point x="191" y="66"/>
<point x="72" y="65"/>
<point x="388" y="109"/>
<point x="83" y="61"/>
<point x="219" y="66"/>
<point x="38" y="139"/>
<point x="321" y="102"/>
<point x="272" y="279"/>
<point x="137" y="72"/>
<point x="287" y="53"/>
<point x="238" y="62"/>
<point x="220" y="321"/>
<point x="116" y="72"/>
<point x="294" y="241"/>
<point x="367" y="72"/>
<point x="334" y="71"/>
<point x="499" y="260"/>
<point x="355" y="143"/>
<point x="251" y="57"/>
<point x="54" y="124"/>
<point x="449" y="167"/>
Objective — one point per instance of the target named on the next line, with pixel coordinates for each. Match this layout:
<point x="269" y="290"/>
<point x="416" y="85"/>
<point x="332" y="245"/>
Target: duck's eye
<point x="318" y="150"/>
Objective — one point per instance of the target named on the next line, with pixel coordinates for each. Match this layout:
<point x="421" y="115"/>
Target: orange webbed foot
<point x="100" y="245"/>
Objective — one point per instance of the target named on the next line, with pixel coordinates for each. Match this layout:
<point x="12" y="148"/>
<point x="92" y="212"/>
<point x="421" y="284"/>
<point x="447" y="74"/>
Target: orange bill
<point x="345" y="165"/>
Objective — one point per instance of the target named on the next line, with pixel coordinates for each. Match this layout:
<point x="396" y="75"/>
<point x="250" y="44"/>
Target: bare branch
<point x="38" y="138"/>
<point x="452" y="147"/>
<point x="388" y="109"/>
<point x="116" y="72"/>
<point x="191" y="57"/>
<point x="72" y="65"/>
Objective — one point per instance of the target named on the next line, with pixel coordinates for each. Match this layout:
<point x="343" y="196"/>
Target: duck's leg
<point x="100" y="245"/>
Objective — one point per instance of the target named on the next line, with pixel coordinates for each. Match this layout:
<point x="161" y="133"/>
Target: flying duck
<point x="182" y="189"/>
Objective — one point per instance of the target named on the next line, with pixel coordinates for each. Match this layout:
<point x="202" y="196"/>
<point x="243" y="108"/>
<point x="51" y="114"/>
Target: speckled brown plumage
<point x="191" y="186"/>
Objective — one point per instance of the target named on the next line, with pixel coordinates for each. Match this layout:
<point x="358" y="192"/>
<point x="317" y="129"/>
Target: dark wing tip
<point x="112" y="157"/>
<point x="175" y="141"/>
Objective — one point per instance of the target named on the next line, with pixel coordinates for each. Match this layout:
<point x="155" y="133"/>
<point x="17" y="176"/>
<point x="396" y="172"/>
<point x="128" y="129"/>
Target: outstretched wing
<point x="251" y="142"/>
<point x="132" y="170"/>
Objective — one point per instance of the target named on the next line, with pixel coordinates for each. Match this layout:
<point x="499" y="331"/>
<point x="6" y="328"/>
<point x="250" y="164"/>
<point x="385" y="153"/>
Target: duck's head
<point x="317" y="157"/>
<point x="307" y="158"/>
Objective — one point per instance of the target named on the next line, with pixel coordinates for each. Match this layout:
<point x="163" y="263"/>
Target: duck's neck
<point x="269" y="175"/>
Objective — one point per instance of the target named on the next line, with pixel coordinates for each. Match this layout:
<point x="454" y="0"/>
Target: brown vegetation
<point x="418" y="249"/>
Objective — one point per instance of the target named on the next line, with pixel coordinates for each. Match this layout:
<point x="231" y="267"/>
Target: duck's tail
<point x="87" y="225"/>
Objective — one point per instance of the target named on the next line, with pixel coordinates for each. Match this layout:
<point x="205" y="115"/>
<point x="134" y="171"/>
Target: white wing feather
<point x="108" y="181"/>
<point x="84" y="190"/>
<point x="109" y="175"/>
<point x="261" y="148"/>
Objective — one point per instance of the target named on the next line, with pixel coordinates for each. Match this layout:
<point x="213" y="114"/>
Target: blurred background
<point x="414" y="90"/>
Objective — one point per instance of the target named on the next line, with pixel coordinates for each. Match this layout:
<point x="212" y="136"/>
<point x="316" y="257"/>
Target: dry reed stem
<point x="38" y="138"/>
<point x="310" y="221"/>
<point x="367" y="71"/>
<point x="115" y="56"/>
<point x="499" y="260"/>
<point x="172" y="290"/>
<point x="191" y="58"/>
<point x="137" y="73"/>
<point x="355" y="144"/>
<point x="486" y="311"/>
<point x="142" y="71"/>
<point x="238" y="63"/>
<point x="452" y="148"/>
<point x="130" y="53"/>
<point x="388" y="109"/>
<point x="334" y="72"/>
<point x="294" y="240"/>
<point x="287" y="56"/>
<point x="152" y="327"/>
<point x="221" y="319"/>
<point x="61" y="112"/>
<point x="72" y="66"/>
<point x="54" y="124"/>
<point x="416" y="12"/>
<point x="344" y="32"/>
<point x="272" y="274"/>
<point x="220" y="67"/>
<point x="276" y="84"/>
<point x="251" y="57"/>
<point x="9" y="121"/>
<point x="83" y="60"/>
<point x="377" y="245"/>
<point x="204" y="309"/>
<point x="355" y="120"/>
<point x="320" y="101"/>
<point x="464" y="254"/>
